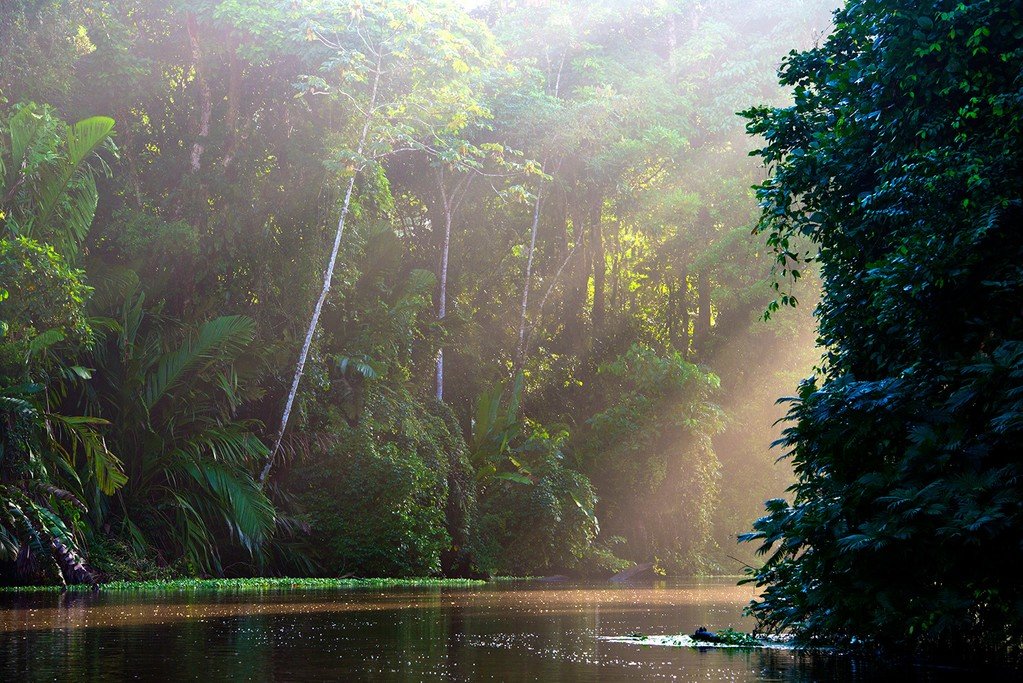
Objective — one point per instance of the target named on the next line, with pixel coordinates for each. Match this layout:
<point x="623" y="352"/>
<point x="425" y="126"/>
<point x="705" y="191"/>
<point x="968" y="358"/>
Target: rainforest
<point x="421" y="289"/>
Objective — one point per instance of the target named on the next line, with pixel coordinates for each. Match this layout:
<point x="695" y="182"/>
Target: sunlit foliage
<point x="490" y="264"/>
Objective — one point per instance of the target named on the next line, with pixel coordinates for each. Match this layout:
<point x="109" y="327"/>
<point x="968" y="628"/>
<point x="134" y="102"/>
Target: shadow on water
<point x="508" y="632"/>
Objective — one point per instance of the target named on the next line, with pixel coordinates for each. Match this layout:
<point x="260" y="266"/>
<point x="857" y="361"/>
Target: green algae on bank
<point x="257" y="584"/>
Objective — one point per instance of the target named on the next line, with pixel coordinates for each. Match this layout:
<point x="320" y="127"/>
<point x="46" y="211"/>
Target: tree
<point x="171" y="397"/>
<point x="899" y="160"/>
<point x="48" y="460"/>
<point x="298" y="172"/>
<point x="405" y="72"/>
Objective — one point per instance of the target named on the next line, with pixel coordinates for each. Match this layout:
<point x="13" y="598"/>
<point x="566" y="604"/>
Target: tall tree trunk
<point x="672" y="45"/>
<point x="670" y="315"/>
<point x="575" y="299"/>
<point x="599" y="260"/>
<point x="451" y="200"/>
<point x="561" y="221"/>
<point x="702" y="331"/>
<point x="234" y="94"/>
<point x="616" y="271"/>
<point x="202" y="131"/>
<point x="520" y="348"/>
<point x="328" y="276"/>
<point x="682" y="301"/>
<point x="128" y="153"/>
<point x="442" y="303"/>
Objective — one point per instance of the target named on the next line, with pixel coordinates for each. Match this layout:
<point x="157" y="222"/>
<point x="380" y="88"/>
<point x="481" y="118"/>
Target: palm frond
<point x="104" y="466"/>
<point x="23" y="127"/>
<point x="245" y="508"/>
<point x="220" y="338"/>
<point x="83" y="139"/>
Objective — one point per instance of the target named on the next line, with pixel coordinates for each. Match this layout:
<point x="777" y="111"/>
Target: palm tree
<point x="47" y="460"/>
<point x="171" y="397"/>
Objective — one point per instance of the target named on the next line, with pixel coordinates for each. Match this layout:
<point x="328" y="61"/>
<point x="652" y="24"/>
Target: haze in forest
<point x="393" y="288"/>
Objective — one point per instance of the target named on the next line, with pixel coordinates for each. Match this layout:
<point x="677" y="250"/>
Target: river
<point x="502" y="631"/>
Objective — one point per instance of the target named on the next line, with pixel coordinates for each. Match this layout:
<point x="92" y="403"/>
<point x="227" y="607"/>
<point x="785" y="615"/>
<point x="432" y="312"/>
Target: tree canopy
<point x="898" y="163"/>
<point x="387" y="288"/>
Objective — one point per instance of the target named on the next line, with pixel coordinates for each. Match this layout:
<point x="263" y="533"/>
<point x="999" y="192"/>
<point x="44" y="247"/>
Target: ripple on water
<point x="498" y="632"/>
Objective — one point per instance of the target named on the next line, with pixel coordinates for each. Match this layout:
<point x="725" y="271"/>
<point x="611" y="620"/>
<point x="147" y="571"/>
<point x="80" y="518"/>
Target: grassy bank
<point x="261" y="584"/>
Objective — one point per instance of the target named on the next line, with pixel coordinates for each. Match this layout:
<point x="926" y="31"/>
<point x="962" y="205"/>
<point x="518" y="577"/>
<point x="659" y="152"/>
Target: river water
<point x="500" y="632"/>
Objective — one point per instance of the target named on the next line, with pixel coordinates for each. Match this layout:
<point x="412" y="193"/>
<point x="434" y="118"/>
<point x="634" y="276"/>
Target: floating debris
<point x="726" y="639"/>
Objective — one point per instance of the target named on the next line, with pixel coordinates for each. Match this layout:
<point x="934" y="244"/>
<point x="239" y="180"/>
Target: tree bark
<point x="561" y="221"/>
<point x="543" y="303"/>
<point x="682" y="302"/>
<point x="670" y="317"/>
<point x="575" y="299"/>
<point x="442" y="303"/>
<point x="616" y="270"/>
<point x="128" y="153"/>
<point x="450" y="200"/>
<point x="701" y="330"/>
<point x="672" y="46"/>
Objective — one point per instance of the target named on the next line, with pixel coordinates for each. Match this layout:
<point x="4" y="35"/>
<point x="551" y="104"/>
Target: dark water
<point x="502" y="632"/>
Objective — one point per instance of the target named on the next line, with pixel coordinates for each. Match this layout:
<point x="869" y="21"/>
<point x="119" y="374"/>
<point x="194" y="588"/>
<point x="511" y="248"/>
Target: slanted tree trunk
<point x="543" y="303"/>
<point x="328" y="276"/>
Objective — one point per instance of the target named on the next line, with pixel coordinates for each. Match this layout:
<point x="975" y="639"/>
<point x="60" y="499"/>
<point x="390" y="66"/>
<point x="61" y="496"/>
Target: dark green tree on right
<point x="901" y="162"/>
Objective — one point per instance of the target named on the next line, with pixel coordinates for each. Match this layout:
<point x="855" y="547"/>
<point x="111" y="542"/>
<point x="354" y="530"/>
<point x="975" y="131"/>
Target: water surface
<point x="502" y="632"/>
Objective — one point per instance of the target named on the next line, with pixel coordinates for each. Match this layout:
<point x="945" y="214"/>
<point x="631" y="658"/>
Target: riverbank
<point x="285" y="583"/>
<point x="253" y="584"/>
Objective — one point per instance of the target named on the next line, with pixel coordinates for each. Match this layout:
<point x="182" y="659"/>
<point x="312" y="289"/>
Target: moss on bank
<point x="280" y="584"/>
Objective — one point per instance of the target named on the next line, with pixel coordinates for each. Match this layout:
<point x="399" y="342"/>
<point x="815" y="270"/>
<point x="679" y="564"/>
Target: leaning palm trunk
<point x="328" y="277"/>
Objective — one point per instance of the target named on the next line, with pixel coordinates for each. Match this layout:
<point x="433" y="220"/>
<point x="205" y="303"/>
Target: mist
<point x="404" y="288"/>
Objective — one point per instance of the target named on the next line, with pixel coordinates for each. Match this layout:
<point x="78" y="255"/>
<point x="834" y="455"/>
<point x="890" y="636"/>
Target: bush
<point x="541" y="522"/>
<point x="376" y="497"/>
<point x="43" y="293"/>
<point x="650" y="454"/>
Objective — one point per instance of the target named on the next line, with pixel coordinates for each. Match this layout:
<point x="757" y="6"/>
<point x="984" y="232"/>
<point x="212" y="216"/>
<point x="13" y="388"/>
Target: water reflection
<point x="510" y="632"/>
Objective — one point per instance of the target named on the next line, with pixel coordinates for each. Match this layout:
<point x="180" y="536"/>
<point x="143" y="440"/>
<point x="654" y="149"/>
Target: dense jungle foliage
<point x="900" y="159"/>
<point x="403" y="288"/>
